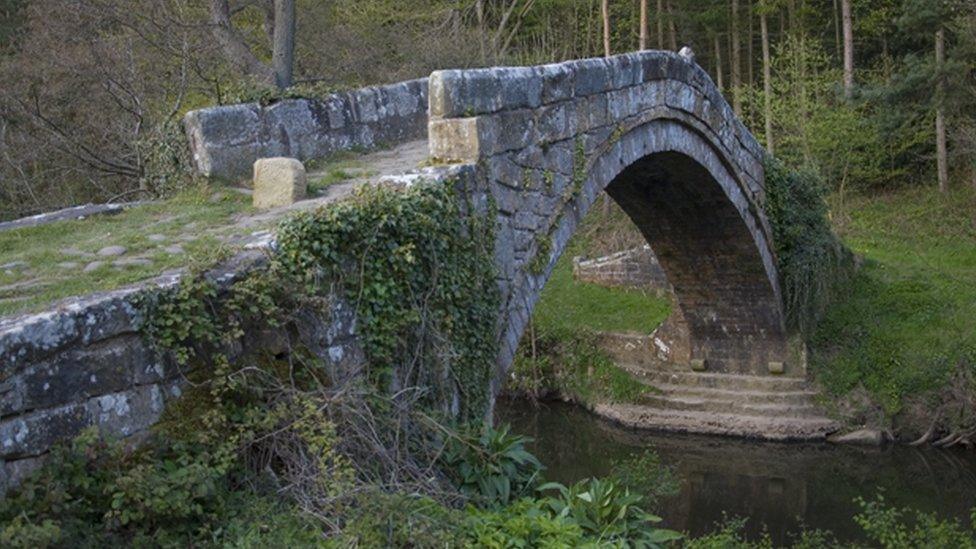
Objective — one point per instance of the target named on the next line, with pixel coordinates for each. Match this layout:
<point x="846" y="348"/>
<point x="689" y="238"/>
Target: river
<point x="779" y="487"/>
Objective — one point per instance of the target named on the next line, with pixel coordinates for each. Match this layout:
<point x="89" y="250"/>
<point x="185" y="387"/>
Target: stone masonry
<point x="533" y="146"/>
<point x="652" y="130"/>
<point x="634" y="268"/>
<point x="225" y="141"/>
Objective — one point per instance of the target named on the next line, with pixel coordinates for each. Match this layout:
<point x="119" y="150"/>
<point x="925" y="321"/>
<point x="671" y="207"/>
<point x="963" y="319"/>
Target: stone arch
<point x="653" y="131"/>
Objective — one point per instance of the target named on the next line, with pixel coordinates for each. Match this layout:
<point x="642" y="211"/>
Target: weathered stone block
<point x="455" y="139"/>
<point x="278" y="182"/>
<point x="777" y="367"/>
<point x="698" y="365"/>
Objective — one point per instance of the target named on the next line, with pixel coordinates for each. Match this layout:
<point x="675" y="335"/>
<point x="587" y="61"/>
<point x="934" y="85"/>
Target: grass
<point x="42" y="264"/>
<point x="337" y="168"/>
<point x="567" y="305"/>
<point x="566" y="358"/>
<point x="908" y="319"/>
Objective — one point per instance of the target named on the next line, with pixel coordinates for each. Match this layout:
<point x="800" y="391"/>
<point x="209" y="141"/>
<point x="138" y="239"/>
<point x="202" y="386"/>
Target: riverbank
<point x="782" y="489"/>
<point x="897" y="351"/>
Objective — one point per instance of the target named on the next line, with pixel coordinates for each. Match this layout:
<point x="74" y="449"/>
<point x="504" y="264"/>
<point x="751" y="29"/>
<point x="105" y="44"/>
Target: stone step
<point x="713" y="423"/>
<point x="730" y="406"/>
<point x="732" y="382"/>
<point x="751" y="397"/>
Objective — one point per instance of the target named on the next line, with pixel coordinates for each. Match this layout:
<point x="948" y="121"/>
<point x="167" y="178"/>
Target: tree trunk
<point x="749" y="45"/>
<point x="605" y="5"/>
<point x="233" y="46"/>
<point x="672" y="30"/>
<point x="718" y="63"/>
<point x="283" y="51"/>
<point x="767" y="85"/>
<point x="479" y="12"/>
<point x="643" y="24"/>
<point x="660" y="24"/>
<point x="837" y="44"/>
<point x="736" y="61"/>
<point x="845" y="8"/>
<point x="940" y="130"/>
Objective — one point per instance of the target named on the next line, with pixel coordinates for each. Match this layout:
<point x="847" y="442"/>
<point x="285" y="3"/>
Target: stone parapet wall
<point x="635" y="268"/>
<point x="225" y="141"/>
<point x="85" y="362"/>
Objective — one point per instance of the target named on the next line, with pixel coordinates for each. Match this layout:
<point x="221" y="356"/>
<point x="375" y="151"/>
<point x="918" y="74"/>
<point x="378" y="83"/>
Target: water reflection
<point x="778" y="487"/>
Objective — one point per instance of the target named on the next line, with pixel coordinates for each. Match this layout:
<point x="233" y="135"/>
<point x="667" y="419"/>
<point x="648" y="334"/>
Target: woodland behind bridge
<point x="868" y="105"/>
<point x="870" y="94"/>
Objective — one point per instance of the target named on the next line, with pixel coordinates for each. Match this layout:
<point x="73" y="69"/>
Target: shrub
<point x="608" y="513"/>
<point x="494" y="468"/>
<point x="810" y="257"/>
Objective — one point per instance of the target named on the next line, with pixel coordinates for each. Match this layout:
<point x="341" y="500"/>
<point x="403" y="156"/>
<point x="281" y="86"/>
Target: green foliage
<point x="165" y="160"/>
<point x="906" y="321"/>
<point x="381" y="519"/>
<point x="892" y="528"/>
<point x="810" y="258"/>
<point x="523" y="524"/>
<point x="728" y="535"/>
<point x="608" y="513"/>
<point x="420" y="275"/>
<point x="94" y="490"/>
<point x="573" y="367"/>
<point x="494" y="468"/>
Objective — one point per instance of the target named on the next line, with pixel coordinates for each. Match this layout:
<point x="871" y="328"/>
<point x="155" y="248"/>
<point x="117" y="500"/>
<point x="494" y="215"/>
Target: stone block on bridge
<point x="278" y="182"/>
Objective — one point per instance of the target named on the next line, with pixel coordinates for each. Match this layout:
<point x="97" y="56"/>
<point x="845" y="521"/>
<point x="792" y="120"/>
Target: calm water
<point x="776" y="486"/>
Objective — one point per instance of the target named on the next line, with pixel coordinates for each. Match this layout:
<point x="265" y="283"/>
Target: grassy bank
<point x="907" y="322"/>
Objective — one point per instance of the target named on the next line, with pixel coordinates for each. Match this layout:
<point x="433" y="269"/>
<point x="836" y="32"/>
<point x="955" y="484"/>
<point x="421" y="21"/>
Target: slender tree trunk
<point x="837" y="44"/>
<point x="940" y="130"/>
<point x="718" y="63"/>
<point x="749" y="45"/>
<point x="660" y="24"/>
<point x="605" y="11"/>
<point x="672" y="29"/>
<point x="845" y="7"/>
<point x="479" y="11"/>
<point x="736" y="61"/>
<point x="283" y="51"/>
<point x="767" y="85"/>
<point x="643" y="24"/>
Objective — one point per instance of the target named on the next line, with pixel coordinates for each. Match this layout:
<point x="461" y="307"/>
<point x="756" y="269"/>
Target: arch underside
<point x="696" y="214"/>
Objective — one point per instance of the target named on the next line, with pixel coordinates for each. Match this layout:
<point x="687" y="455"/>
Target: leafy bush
<point x="608" y="513"/>
<point x="810" y="257"/>
<point x="522" y="524"/>
<point x="893" y="528"/>
<point x="494" y="468"/>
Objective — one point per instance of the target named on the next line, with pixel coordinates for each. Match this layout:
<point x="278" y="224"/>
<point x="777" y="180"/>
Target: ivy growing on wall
<point x="419" y="270"/>
<point x="810" y="258"/>
<point x="416" y="265"/>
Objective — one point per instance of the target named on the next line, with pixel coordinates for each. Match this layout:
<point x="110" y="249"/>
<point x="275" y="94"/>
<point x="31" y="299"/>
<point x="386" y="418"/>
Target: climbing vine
<point x="420" y="275"/>
<point x="811" y="259"/>
<point x="415" y="265"/>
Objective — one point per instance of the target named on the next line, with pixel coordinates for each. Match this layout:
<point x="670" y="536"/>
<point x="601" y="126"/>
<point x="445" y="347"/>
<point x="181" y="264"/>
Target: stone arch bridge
<point x="540" y="144"/>
<point x="653" y="131"/>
